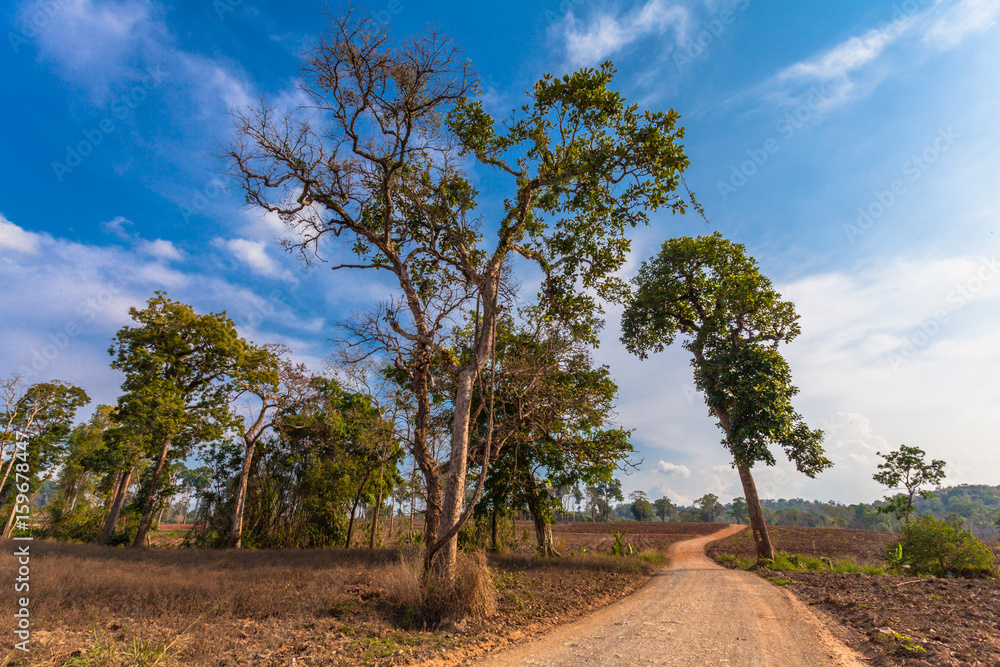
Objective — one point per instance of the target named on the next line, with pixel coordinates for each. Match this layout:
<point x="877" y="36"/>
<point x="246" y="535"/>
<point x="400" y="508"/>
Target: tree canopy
<point x="708" y="290"/>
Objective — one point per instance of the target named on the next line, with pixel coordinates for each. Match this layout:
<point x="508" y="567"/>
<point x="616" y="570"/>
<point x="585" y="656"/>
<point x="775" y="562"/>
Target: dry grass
<point x="119" y="607"/>
<point x="473" y="595"/>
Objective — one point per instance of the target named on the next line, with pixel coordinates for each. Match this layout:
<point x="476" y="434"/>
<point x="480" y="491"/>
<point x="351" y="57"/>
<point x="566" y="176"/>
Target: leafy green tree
<point x="388" y="176"/>
<point x="548" y="416"/>
<point x="642" y="510"/>
<point x="906" y="469"/>
<point x="280" y="388"/>
<point x="709" y="291"/>
<point x="710" y="507"/>
<point x="664" y="508"/>
<point x="739" y="509"/>
<point x="180" y="368"/>
<point x="39" y="423"/>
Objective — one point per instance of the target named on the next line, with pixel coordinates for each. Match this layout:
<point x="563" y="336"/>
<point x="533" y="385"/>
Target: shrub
<point x="940" y="548"/>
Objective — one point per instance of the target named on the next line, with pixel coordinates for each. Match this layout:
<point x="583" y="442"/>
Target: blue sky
<point x="851" y="146"/>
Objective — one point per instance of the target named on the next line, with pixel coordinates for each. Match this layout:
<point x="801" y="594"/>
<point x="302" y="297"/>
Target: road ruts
<point x="694" y="613"/>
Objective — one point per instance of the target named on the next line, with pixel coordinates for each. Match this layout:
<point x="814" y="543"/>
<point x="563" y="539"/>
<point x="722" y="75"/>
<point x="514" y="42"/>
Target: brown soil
<point x="598" y="537"/>
<point x="950" y="621"/>
<point x="932" y="621"/>
<point x="864" y="547"/>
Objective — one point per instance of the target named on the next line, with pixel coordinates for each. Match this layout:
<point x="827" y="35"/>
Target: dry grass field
<point x="166" y="606"/>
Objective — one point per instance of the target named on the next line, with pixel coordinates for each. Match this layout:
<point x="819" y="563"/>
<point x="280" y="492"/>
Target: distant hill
<point x="976" y="505"/>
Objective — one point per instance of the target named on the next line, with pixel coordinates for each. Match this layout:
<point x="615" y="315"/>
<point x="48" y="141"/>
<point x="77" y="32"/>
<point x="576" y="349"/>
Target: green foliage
<point x="900" y="645"/>
<point x="642" y="510"/>
<point x="664" y="508"/>
<point x="708" y="290"/>
<point x="739" y="509"/>
<point x="330" y="456"/>
<point x="181" y="368"/>
<point x="906" y="468"/>
<point x="620" y="547"/>
<point x="939" y="548"/>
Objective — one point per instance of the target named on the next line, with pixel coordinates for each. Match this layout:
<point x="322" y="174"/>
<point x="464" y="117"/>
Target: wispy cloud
<point x="592" y="40"/>
<point x="857" y="64"/>
<point x="964" y="18"/>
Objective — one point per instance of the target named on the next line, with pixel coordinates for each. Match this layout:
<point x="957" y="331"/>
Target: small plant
<point x="897" y="644"/>
<point x="620" y="547"/>
<point x="778" y="581"/>
<point x="412" y="538"/>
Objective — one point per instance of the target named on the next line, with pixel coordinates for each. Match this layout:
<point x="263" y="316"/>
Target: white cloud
<point x="602" y="35"/>
<point x="117" y="226"/>
<point x="94" y="42"/>
<point x="962" y="19"/>
<point x="16" y="238"/>
<point x="162" y="249"/>
<point x="857" y="65"/>
<point x="253" y="254"/>
<point x="673" y="469"/>
<point x="847" y="56"/>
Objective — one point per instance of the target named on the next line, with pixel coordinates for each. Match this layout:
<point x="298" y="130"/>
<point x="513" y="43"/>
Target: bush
<point x="941" y="548"/>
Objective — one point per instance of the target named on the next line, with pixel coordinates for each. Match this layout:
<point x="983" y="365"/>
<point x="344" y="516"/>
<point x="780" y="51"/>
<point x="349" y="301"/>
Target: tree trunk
<point x="392" y="516"/>
<point x="76" y="494"/>
<point x="354" y="510"/>
<point x="149" y="505"/>
<point x="761" y="537"/>
<point x="494" y="530"/>
<point x="123" y="479"/>
<point x="378" y="513"/>
<point x="236" y="527"/>
<point x="543" y="534"/>
<point x="443" y="562"/>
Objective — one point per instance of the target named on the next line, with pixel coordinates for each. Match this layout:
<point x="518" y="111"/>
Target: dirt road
<point x="693" y="613"/>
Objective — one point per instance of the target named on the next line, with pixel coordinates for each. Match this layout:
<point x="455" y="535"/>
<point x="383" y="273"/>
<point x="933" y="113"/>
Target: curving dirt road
<point x="692" y="613"/>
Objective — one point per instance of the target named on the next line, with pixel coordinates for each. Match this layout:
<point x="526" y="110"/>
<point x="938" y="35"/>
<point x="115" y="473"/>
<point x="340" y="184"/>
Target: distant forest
<point x="976" y="506"/>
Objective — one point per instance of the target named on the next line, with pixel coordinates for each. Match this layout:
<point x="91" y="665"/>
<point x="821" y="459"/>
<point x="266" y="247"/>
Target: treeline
<point x="974" y="506"/>
<point x="273" y="455"/>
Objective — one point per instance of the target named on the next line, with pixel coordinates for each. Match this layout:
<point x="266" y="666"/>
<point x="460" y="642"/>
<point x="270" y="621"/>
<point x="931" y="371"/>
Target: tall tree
<point x="180" y="368"/>
<point x="907" y="469"/>
<point x="664" y="508"/>
<point x="708" y="290"/>
<point x="39" y="423"/>
<point x="281" y="388"/>
<point x="739" y="510"/>
<point x="381" y="167"/>
<point x="84" y="458"/>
